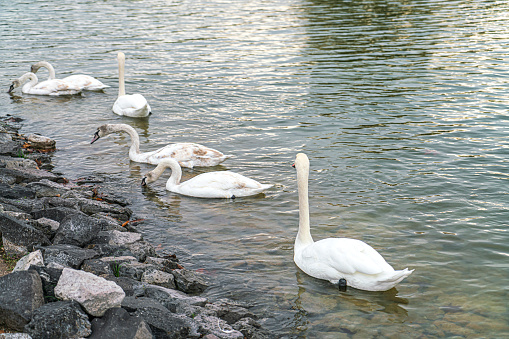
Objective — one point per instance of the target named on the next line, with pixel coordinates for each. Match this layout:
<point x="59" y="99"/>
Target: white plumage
<point x="224" y="184"/>
<point x="338" y="258"/>
<point x="84" y="82"/>
<point x="187" y="154"/>
<point x="134" y="105"/>
<point x="48" y="87"/>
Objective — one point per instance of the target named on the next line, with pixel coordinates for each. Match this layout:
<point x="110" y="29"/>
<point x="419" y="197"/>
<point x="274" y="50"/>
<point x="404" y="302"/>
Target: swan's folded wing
<point x="350" y="256"/>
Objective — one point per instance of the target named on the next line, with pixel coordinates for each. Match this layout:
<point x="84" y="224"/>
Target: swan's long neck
<point x="46" y="65"/>
<point x="176" y="172"/>
<point x="135" y="138"/>
<point x="28" y="76"/>
<point x="121" y="66"/>
<point x="304" y="235"/>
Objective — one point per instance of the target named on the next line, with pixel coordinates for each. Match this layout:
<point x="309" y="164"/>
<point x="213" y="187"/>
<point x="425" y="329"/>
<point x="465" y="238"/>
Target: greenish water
<point x="401" y="106"/>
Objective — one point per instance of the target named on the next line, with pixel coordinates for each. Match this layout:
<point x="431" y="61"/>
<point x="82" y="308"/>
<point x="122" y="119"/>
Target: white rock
<point x="157" y="277"/>
<point x="94" y="293"/>
<point x="123" y="238"/>
<point x="34" y="258"/>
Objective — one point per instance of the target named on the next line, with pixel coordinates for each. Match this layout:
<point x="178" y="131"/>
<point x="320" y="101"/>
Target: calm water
<point x="401" y="106"/>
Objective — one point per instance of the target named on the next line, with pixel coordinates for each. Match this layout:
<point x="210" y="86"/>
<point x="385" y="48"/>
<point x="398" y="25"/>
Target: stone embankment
<point x="84" y="270"/>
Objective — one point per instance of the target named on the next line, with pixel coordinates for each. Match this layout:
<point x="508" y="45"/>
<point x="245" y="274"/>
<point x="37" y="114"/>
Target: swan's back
<point x="53" y="87"/>
<point x="187" y="154"/>
<point x="350" y="259"/>
<point x="85" y="82"/>
<point x="224" y="184"/>
<point x="134" y="105"/>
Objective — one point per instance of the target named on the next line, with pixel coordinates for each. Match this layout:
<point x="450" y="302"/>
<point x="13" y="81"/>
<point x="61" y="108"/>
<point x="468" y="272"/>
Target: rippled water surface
<point x="401" y="106"/>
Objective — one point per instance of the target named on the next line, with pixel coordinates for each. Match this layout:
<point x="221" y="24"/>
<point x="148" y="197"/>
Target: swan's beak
<point x="143" y="181"/>
<point x="293" y="165"/>
<point x="11" y="89"/>
<point x="96" y="137"/>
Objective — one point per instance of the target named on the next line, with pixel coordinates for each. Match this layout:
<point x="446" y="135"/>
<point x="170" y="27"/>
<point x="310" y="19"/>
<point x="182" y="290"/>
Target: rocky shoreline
<point x="84" y="269"/>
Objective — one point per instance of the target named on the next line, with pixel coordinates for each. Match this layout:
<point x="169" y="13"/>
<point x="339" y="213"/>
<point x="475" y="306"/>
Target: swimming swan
<point x="48" y="87"/>
<point x="134" y="105"/>
<point x="85" y="82"/>
<point x="223" y="184"/>
<point x="338" y="259"/>
<point x="187" y="154"/>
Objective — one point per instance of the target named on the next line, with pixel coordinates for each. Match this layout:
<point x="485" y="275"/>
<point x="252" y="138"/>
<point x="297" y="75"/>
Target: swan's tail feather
<point x="396" y="277"/>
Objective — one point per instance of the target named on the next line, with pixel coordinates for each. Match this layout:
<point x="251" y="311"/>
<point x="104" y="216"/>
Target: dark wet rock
<point x="229" y="311"/>
<point x="11" y="148"/>
<point x="26" y="175"/>
<point x="16" y="192"/>
<point x="133" y="269"/>
<point x="175" y="301"/>
<point x="66" y="255"/>
<point x="47" y="226"/>
<point x="251" y="329"/>
<point x="18" y="237"/>
<point x="77" y="229"/>
<point x="47" y="188"/>
<point x="106" y="250"/>
<point x="17" y="163"/>
<point x="142" y="250"/>
<point x="118" y="323"/>
<point x="55" y="213"/>
<point x="131" y="287"/>
<point x="159" y="278"/>
<point x="24" y="205"/>
<point x="189" y="281"/>
<point x="163" y="323"/>
<point x="20" y="294"/>
<point x="49" y="278"/>
<point x="61" y="319"/>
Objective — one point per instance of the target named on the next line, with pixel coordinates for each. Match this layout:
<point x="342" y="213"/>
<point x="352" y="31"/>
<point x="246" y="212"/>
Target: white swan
<point x="338" y="259"/>
<point x="48" y="87"/>
<point x="134" y="105"/>
<point x="85" y="82"/>
<point x="187" y="154"/>
<point x="223" y="184"/>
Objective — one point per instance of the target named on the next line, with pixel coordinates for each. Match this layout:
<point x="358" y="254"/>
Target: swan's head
<point x="20" y="81"/>
<point x="102" y="131"/>
<point x="16" y="83"/>
<point x="301" y="160"/>
<point x="148" y="178"/>
<point x="35" y="67"/>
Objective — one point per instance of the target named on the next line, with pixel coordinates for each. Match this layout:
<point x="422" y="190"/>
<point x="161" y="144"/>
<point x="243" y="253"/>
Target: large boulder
<point x="118" y="323"/>
<point x="18" y="237"/>
<point x="16" y="192"/>
<point x="20" y="294"/>
<point x="94" y="293"/>
<point x="189" y="281"/>
<point x="61" y="319"/>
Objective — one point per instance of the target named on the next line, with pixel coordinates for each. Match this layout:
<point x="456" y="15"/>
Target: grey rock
<point x="175" y="301"/>
<point x="34" y="258"/>
<point x="117" y="323"/>
<point x="131" y="287"/>
<point x="189" y="281"/>
<point x="20" y="294"/>
<point x="166" y="264"/>
<point x="55" y="213"/>
<point x="16" y="192"/>
<point x="106" y="266"/>
<point x="163" y="323"/>
<point x="217" y="327"/>
<point x="49" y="278"/>
<point x="228" y="310"/>
<point x="157" y="277"/>
<point x="26" y="175"/>
<point x="133" y="269"/>
<point x="21" y="205"/>
<point x="10" y="148"/>
<point x="18" y="237"/>
<point x="251" y="329"/>
<point x="47" y="226"/>
<point x="77" y="229"/>
<point x="94" y="293"/>
<point x="40" y="142"/>
<point x="47" y="188"/>
<point x="15" y="336"/>
<point x="66" y="255"/>
<point x="17" y="163"/>
<point x="117" y="238"/>
<point x="142" y="250"/>
<point x="105" y="250"/>
<point x="61" y="319"/>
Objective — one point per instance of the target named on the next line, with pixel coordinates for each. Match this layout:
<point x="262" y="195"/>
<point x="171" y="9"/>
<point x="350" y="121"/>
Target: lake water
<point x="401" y="106"/>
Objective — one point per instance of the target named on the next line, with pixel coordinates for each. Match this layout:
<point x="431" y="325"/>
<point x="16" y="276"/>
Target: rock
<point x="217" y="327"/>
<point x="11" y="148"/>
<point x="55" y="213"/>
<point x="21" y="205"/>
<point x="105" y="250"/>
<point x="131" y="287"/>
<point x="41" y="142"/>
<point x="15" y="336"/>
<point x="47" y="188"/>
<point x="34" y="258"/>
<point x="17" y="163"/>
<point x="163" y="323"/>
<point x="47" y="226"/>
<point x="157" y="277"/>
<point x="49" y="278"/>
<point x="16" y="192"/>
<point x="94" y="293"/>
<point x="228" y="310"/>
<point x="142" y="250"/>
<point x="61" y="319"/>
<point x="77" y="229"/>
<point x="189" y="281"/>
<point x="133" y="269"/>
<point x="117" y="323"/>
<point x="20" y="295"/>
<point x="167" y="264"/>
<point x="66" y="255"/>
<point x="175" y="301"/>
<point x="116" y="238"/>
<point x="107" y="265"/>
<point x="26" y="175"/>
<point x="18" y="237"/>
<point x="251" y="329"/>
